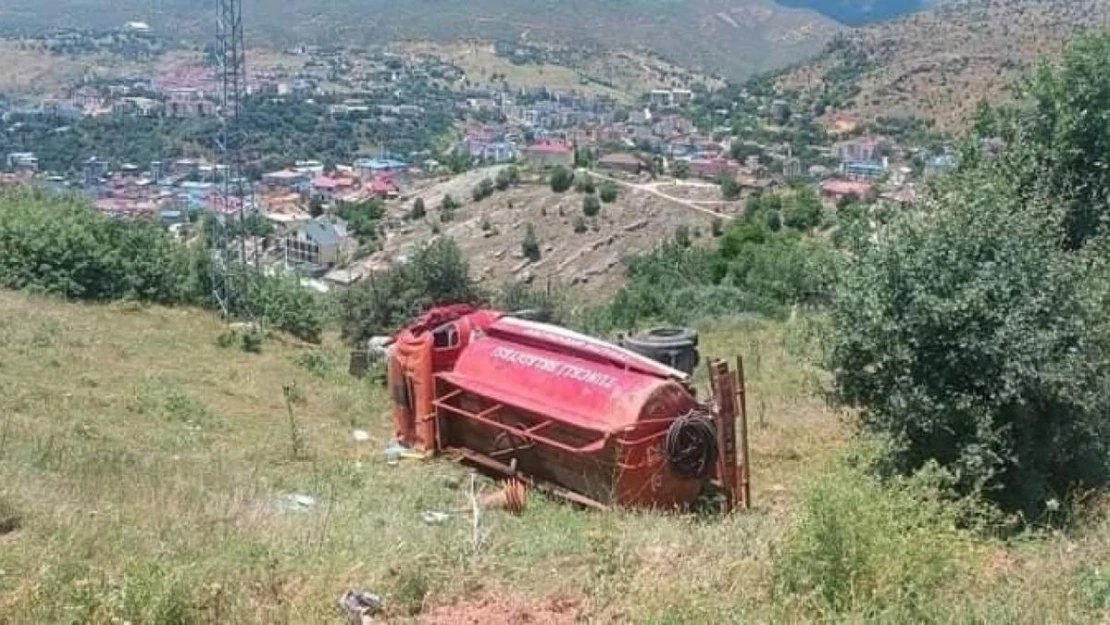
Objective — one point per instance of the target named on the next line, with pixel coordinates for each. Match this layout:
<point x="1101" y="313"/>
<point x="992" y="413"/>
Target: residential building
<point x="285" y="179"/>
<point x="384" y="186"/>
<point x="847" y="189"/>
<point x="940" y="164"/>
<point x="625" y="162"/>
<point x="26" y="161"/>
<point x="319" y="242"/>
<point x="188" y="103"/>
<point x="144" y="107"/>
<point x="865" y="149"/>
<point x="367" y="168"/>
<point x="549" y="153"/>
<point x="863" y="170"/>
<point x="713" y="167"/>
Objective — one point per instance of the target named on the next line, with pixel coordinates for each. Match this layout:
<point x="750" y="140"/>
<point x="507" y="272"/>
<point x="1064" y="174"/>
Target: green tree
<point x="579" y="224"/>
<point x="680" y="169"/>
<point x="507" y="177"/>
<point x="418" y="210"/>
<point x="584" y="183"/>
<point x="1056" y="146"/>
<point x="803" y="211"/>
<point x="447" y="207"/>
<point x="435" y="274"/>
<point x="968" y="337"/>
<point x="591" y="206"/>
<point x="530" y="245"/>
<point x="362" y="218"/>
<point x="730" y="188"/>
<point x="608" y="192"/>
<point x="561" y="179"/>
<point x="482" y="190"/>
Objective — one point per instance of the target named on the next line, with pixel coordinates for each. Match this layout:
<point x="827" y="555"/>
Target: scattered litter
<point x="396" y="452"/>
<point x="360" y="436"/>
<point x="431" y="517"/>
<point x="298" y="503"/>
<point x="359" y="607"/>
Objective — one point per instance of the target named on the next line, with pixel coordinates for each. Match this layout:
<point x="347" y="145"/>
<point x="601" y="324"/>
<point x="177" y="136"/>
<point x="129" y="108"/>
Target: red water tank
<point x="567" y="409"/>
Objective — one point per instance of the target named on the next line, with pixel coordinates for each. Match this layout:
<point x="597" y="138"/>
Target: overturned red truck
<point x="573" y="415"/>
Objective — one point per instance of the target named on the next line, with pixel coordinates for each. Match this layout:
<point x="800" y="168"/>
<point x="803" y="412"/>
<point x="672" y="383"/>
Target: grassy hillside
<point x="732" y="37"/>
<point x="938" y="64"/>
<point x="148" y="471"/>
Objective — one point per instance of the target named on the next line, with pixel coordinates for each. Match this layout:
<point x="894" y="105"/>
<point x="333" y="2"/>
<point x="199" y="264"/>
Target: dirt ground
<point x="505" y="611"/>
<point x="490" y="232"/>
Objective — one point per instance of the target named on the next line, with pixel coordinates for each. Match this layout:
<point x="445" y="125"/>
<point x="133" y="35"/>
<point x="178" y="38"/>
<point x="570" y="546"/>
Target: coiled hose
<point x="692" y="445"/>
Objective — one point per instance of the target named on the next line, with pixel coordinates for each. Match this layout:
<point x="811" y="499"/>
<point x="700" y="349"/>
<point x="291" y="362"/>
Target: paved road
<point x="650" y="188"/>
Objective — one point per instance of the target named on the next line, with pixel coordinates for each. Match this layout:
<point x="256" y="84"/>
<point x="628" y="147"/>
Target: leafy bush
<point x="281" y="302"/>
<point x="730" y="188"/>
<point x="530" y="245"/>
<point x="608" y="192"/>
<point x="968" y="336"/>
<point x="884" y="552"/>
<point x="584" y="184"/>
<point x="10" y="518"/>
<point x="515" y="296"/>
<point x="803" y="211"/>
<point x="436" y="274"/>
<point x="561" y="179"/>
<point x="418" y="209"/>
<point x="1054" y="144"/>
<point x="362" y="218"/>
<point x="682" y="235"/>
<point x="591" y="206"/>
<point x="680" y="169"/>
<point x="448" y="204"/>
<point x="507" y="177"/>
<point x="482" y="190"/>
<point x="62" y="246"/>
<point x="580" y="225"/>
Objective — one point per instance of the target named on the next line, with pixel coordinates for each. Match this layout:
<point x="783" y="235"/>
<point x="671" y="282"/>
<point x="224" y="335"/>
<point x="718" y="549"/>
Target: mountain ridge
<point x="735" y="38"/>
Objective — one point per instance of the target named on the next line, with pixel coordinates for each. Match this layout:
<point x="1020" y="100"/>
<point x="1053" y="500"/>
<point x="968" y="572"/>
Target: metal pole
<point x="745" y="457"/>
<point x="724" y="383"/>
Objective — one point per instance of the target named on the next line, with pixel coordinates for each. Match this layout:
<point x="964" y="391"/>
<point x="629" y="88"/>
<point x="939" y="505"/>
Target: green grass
<point x="148" y="469"/>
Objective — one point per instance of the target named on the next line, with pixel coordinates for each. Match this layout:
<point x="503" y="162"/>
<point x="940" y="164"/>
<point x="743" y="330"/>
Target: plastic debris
<point x="431" y="517"/>
<point x="360" y="607"/>
<point x="298" y="503"/>
<point x="397" y="452"/>
<point x="360" y="436"/>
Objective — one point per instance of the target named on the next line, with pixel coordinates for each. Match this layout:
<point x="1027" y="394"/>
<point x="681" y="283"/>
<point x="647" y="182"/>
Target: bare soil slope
<point x="938" y="64"/>
<point x="490" y="232"/>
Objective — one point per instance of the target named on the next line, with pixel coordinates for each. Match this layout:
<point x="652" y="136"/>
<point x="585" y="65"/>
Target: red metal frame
<point x="528" y="434"/>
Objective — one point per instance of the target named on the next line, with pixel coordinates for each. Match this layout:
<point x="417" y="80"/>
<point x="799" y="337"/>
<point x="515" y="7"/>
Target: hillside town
<point x="753" y="143"/>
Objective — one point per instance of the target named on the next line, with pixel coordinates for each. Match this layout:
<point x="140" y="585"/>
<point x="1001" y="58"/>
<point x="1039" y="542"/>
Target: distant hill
<point x="938" y="64"/>
<point x="860" y="12"/>
<point x="729" y="37"/>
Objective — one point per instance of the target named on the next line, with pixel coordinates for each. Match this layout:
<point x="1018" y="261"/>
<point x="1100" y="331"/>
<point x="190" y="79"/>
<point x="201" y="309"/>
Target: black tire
<point x="532" y="314"/>
<point x="665" y="337"/>
<point x="673" y="346"/>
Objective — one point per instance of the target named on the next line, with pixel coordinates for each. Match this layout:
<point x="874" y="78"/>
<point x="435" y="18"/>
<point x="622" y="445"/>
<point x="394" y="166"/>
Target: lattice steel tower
<point x="235" y="195"/>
